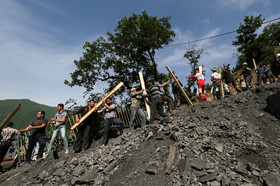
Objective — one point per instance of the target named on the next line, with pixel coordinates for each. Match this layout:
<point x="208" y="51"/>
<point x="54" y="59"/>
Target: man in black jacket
<point x="227" y="76"/>
<point x="83" y="136"/>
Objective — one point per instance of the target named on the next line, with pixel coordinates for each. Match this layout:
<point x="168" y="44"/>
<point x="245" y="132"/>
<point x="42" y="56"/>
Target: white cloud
<point x="217" y="53"/>
<point x="243" y="4"/>
<point x="33" y="64"/>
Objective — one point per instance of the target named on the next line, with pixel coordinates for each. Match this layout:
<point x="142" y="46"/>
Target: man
<point x="176" y="92"/>
<point x="136" y="107"/>
<point x="163" y="97"/>
<point x="37" y="128"/>
<point x="261" y="75"/>
<point x="200" y="83"/>
<point x="7" y="138"/>
<point x="216" y="78"/>
<point x="268" y="74"/>
<point x="110" y="118"/>
<point x="83" y="136"/>
<point x="246" y="72"/>
<point x="59" y="120"/>
<point x="230" y="81"/>
<point x="156" y="105"/>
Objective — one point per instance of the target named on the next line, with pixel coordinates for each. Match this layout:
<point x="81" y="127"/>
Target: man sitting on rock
<point x="110" y="118"/>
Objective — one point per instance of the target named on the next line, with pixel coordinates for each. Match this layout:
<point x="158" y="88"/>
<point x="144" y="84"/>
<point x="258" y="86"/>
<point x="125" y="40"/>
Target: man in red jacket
<point x="200" y="82"/>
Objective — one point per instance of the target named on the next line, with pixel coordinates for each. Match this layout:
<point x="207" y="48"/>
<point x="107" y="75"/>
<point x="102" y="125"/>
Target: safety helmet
<point x="245" y="63"/>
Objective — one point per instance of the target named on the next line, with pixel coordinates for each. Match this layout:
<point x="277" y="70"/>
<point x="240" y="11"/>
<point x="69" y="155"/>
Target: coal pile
<point x="233" y="141"/>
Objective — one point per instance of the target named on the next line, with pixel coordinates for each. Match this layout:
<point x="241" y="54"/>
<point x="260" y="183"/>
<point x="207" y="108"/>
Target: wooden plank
<point x="222" y="86"/>
<point x="254" y="62"/>
<point x="148" y="109"/>
<point x="180" y="87"/>
<point x="9" y="117"/>
<point x="97" y="105"/>
<point x="200" y="69"/>
<point x="170" y="159"/>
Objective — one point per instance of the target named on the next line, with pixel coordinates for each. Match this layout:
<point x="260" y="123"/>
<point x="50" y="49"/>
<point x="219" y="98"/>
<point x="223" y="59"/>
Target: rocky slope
<point x="234" y="141"/>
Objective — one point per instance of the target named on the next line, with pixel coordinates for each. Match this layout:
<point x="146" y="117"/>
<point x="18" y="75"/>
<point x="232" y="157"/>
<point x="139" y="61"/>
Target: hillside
<point x="27" y="112"/>
<point x="233" y="141"/>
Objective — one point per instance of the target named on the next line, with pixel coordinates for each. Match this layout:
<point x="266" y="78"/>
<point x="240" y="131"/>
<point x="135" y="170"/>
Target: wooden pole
<point x="200" y="69"/>
<point x="148" y="109"/>
<point x="254" y="62"/>
<point x="97" y="105"/>
<point x="180" y="87"/>
<point x="222" y="84"/>
<point x="7" y="119"/>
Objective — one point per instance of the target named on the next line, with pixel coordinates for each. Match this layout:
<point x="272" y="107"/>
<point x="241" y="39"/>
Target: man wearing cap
<point x="136" y="97"/>
<point x="216" y="78"/>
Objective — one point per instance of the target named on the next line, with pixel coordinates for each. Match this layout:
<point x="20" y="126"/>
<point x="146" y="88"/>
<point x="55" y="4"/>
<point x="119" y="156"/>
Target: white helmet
<point x="245" y="63"/>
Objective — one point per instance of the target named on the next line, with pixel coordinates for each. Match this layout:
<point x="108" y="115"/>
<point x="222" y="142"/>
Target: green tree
<point x="122" y="54"/>
<point x="246" y="40"/>
<point x="193" y="55"/>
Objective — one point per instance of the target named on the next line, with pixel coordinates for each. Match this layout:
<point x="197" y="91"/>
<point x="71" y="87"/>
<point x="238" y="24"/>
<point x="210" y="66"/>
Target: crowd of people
<point x="156" y="98"/>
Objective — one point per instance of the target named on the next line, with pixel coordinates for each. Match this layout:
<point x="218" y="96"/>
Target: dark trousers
<point x="107" y="124"/>
<point x="176" y="100"/>
<point x="31" y="144"/>
<point x="169" y="100"/>
<point x="261" y="79"/>
<point x="83" y="137"/>
<point x="156" y="107"/>
<point x="4" y="147"/>
<point x="215" y="86"/>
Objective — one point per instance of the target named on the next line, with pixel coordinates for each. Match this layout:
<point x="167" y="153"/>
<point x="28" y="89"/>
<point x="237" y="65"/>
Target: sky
<point x="40" y="39"/>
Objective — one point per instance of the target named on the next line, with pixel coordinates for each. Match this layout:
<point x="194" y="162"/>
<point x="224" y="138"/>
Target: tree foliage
<point x="260" y="47"/>
<point x="121" y="55"/>
<point x="246" y="40"/>
<point x="193" y="55"/>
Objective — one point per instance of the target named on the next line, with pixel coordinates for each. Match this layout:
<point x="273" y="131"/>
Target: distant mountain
<point x="27" y="112"/>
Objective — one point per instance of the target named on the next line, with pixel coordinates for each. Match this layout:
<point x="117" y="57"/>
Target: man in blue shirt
<point x="261" y="75"/>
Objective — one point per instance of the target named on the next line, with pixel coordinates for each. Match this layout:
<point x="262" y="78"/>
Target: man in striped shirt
<point x="156" y="105"/>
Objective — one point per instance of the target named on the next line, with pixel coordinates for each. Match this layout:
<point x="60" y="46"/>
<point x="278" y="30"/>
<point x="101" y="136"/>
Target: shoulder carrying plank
<point x="97" y="105"/>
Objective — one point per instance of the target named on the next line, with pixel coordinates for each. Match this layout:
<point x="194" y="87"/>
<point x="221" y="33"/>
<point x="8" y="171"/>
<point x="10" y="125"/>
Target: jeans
<point x="248" y="81"/>
<point x="31" y="144"/>
<point x="55" y="132"/>
<point x="107" y="124"/>
<point x="140" y="112"/>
